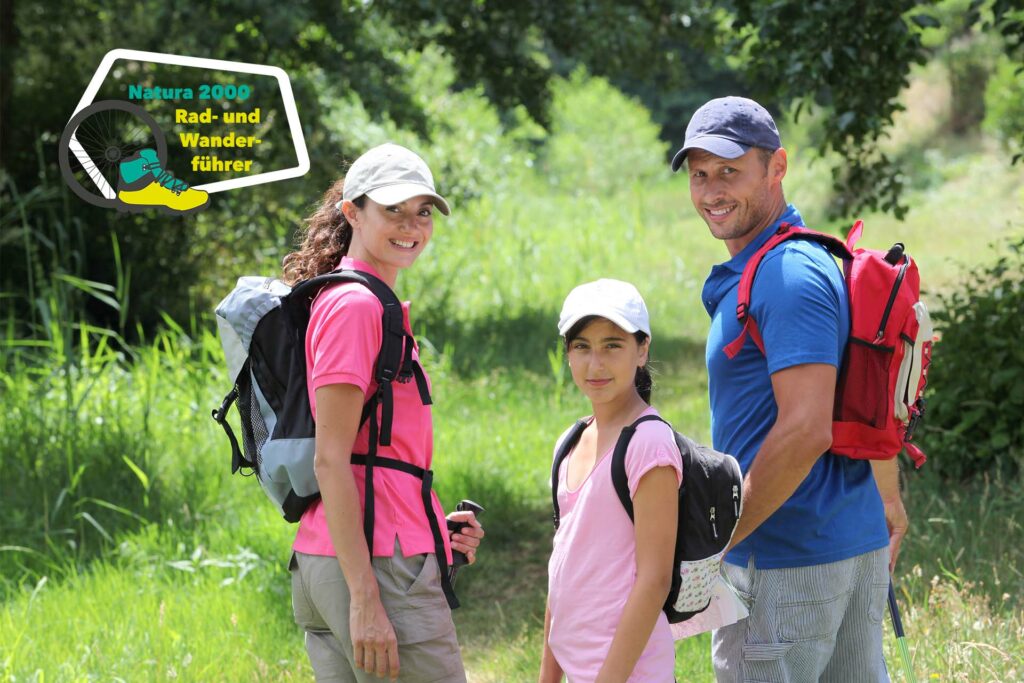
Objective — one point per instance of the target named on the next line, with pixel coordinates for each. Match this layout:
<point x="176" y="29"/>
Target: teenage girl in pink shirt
<point x="608" y="578"/>
<point x="377" y="610"/>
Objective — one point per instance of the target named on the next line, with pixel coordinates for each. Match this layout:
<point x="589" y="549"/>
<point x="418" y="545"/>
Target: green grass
<point x="169" y="568"/>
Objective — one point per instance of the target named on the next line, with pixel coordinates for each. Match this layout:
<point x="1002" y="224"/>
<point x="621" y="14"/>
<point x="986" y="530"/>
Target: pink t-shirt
<point x="593" y="565"/>
<point x="342" y="344"/>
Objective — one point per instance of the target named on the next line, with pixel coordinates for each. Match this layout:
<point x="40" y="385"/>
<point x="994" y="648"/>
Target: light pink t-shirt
<point x="342" y="344"/>
<point x="593" y="565"/>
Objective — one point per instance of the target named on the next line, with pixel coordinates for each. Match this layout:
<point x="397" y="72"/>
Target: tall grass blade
<point x="96" y="525"/>
<point x="138" y="472"/>
<point x="115" y="508"/>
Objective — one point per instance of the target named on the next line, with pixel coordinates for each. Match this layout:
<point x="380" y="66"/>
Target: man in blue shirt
<point x="819" y="533"/>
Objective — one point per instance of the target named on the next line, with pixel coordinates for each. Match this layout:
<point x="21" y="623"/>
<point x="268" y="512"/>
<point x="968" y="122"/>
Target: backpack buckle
<point x="220" y="413"/>
<point x="915" y="418"/>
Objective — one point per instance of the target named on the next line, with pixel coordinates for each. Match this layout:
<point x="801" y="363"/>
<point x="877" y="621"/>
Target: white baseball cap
<point x="390" y="174"/>
<point x="615" y="300"/>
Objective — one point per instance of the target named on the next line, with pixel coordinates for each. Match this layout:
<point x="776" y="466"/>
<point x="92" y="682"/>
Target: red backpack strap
<point x="785" y="232"/>
<point x="855" y="232"/>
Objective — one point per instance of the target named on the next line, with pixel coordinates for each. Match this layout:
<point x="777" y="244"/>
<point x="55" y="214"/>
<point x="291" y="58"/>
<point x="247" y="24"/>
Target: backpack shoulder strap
<point x="619" y="479"/>
<point x="302" y="294"/>
<point x="390" y="359"/>
<point x="568" y="443"/>
<point x="785" y="232"/>
<point x="301" y="298"/>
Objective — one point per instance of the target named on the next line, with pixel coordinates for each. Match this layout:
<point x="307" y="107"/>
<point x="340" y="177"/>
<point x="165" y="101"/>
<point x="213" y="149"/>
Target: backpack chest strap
<point x="426" y="477"/>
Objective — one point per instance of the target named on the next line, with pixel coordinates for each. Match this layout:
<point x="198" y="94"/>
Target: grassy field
<point x="128" y="553"/>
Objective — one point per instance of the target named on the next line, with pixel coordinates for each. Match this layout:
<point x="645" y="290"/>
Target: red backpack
<point x="884" y="372"/>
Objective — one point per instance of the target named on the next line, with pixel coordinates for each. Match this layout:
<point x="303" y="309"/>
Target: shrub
<point x="95" y="441"/>
<point x="976" y="396"/>
<point x="602" y="142"/>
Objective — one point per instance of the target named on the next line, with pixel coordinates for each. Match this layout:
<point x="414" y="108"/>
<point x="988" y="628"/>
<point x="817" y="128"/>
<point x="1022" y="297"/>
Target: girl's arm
<point x="550" y="671"/>
<point x="655" y="516"/>
<point x="338" y="409"/>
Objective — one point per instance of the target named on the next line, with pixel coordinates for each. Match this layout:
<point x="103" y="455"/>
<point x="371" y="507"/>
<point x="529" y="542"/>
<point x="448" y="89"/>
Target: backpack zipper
<point x="736" y="500"/>
<point x="714" y="528"/>
<point x="892" y="299"/>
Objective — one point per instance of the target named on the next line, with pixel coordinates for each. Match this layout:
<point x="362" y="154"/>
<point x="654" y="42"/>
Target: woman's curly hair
<point x="324" y="238"/>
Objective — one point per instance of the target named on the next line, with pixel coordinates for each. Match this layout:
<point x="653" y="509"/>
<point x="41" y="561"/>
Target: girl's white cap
<point x="390" y="174"/>
<point x="615" y="300"/>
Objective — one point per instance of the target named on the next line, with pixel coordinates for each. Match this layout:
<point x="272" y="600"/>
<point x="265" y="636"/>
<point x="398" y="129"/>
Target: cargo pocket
<point x="762" y="662"/>
<point x="808" y="621"/>
<point x="427" y="579"/>
<point x="415" y="601"/>
<point x="878" y="602"/>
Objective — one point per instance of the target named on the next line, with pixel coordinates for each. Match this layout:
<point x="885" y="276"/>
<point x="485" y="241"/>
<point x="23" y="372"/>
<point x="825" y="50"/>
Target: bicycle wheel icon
<point x="95" y="142"/>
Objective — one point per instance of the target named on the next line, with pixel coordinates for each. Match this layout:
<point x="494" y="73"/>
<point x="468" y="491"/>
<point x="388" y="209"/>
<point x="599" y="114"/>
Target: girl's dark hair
<point x="323" y="239"/>
<point x="642" y="380"/>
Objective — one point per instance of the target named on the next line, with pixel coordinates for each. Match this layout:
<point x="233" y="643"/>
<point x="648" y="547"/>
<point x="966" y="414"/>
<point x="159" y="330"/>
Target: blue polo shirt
<point x="800" y="304"/>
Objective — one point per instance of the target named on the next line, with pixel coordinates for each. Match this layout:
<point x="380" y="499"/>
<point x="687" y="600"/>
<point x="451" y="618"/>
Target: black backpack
<point x="709" y="506"/>
<point x="263" y="325"/>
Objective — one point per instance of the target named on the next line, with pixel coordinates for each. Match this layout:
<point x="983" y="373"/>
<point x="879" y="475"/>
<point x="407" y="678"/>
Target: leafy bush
<point x="1004" y="104"/>
<point x="976" y="396"/>
<point x="95" y="441"/>
<point x="602" y="141"/>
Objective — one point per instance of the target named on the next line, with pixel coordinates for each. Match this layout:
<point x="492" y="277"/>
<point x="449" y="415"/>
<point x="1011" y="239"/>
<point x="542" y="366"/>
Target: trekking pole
<point x="897" y="626"/>
<point x="460" y="559"/>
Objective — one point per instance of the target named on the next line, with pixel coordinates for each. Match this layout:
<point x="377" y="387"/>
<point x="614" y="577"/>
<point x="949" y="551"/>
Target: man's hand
<point x="887" y="477"/>
<point x="896" y="520"/>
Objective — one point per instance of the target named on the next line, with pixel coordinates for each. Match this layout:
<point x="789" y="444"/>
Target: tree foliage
<point x="848" y="60"/>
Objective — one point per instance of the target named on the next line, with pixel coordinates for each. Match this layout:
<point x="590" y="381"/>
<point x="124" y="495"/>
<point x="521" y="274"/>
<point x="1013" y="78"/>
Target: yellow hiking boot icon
<point x="144" y="184"/>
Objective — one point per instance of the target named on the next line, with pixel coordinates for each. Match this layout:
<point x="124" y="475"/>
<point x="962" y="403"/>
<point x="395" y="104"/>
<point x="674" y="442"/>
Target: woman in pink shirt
<point x="608" y="578"/>
<point x="380" y="608"/>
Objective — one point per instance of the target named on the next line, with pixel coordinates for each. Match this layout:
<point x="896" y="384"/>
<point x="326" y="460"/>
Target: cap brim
<point x="400" y="192"/>
<point x="719" y="146"/>
<point x="566" y="324"/>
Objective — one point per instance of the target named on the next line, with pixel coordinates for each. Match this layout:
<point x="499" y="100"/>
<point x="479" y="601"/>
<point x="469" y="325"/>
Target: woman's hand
<point x="467" y="539"/>
<point x="374" y="645"/>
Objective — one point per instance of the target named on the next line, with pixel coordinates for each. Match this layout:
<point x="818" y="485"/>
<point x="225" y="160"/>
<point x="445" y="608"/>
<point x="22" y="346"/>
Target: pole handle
<point x="459" y="559"/>
<point x="894" y="612"/>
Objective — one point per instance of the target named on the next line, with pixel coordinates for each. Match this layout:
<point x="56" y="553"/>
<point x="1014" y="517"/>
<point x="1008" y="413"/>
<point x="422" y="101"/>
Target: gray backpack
<point x="262" y="325"/>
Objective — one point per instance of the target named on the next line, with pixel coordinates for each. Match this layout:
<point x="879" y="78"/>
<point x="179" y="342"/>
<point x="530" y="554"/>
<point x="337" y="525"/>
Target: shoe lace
<point x="166" y="178"/>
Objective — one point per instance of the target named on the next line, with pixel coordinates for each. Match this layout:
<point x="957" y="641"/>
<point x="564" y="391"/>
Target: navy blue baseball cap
<point x="728" y="127"/>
